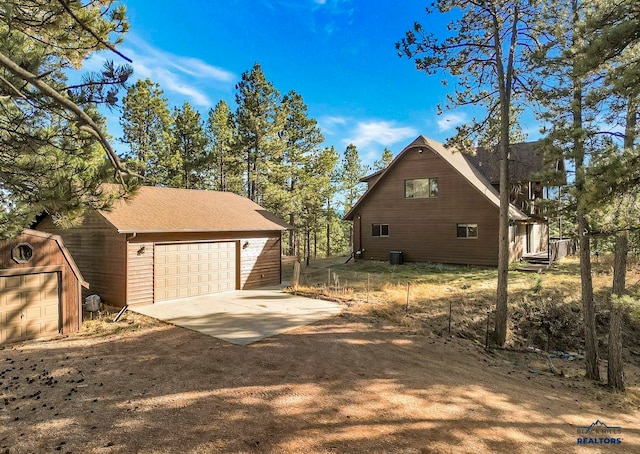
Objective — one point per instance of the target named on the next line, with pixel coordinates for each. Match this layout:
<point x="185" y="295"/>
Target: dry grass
<point x="102" y="324"/>
<point x="544" y="308"/>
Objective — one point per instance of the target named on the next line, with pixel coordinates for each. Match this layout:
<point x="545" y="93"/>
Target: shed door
<point x="193" y="269"/>
<point x="29" y="306"/>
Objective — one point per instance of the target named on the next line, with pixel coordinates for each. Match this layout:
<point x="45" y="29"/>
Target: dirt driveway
<point x="345" y="384"/>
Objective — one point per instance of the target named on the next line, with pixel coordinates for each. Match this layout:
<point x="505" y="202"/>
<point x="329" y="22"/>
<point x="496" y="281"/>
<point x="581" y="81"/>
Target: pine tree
<point x="226" y="160"/>
<point x="384" y="161"/>
<point x="188" y="159"/>
<point x="302" y="138"/>
<point x="568" y="96"/>
<point x="351" y="173"/>
<point x="260" y="123"/>
<point x="318" y="188"/>
<point x="485" y="53"/>
<point x="612" y="48"/>
<point x="146" y="122"/>
<point x="52" y="138"/>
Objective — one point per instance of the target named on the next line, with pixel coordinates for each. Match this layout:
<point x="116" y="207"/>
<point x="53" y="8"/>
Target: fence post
<point x="408" y="287"/>
<point x="368" y="282"/>
<point x="486" y="336"/>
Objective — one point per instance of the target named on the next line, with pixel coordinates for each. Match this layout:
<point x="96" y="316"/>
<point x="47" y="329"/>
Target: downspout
<point x="126" y="268"/>
<point x="359" y="234"/>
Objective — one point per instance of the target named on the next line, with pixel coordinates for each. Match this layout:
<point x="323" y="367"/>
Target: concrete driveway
<point x="242" y="316"/>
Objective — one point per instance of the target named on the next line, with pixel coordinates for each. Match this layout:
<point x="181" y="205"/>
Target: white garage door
<point x="193" y="269"/>
<point x="29" y="306"/>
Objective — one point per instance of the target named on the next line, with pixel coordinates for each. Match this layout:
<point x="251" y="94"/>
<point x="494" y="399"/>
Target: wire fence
<point x="465" y="308"/>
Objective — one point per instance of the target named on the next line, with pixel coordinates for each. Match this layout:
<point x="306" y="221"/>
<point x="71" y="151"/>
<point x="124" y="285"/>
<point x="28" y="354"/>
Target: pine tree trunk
<point x="592" y="364"/>
<point x="588" y="305"/>
<point x="328" y="228"/>
<point x="615" y="366"/>
<point x="505" y="79"/>
<point x="500" y="332"/>
<point x="292" y="235"/>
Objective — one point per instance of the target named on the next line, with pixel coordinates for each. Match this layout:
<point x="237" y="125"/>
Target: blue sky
<point x="338" y="54"/>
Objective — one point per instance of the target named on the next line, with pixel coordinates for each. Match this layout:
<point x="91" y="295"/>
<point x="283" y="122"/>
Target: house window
<point x="421" y="188"/>
<point x="379" y="229"/>
<point x="467" y="230"/>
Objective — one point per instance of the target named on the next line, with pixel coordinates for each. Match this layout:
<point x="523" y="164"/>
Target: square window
<point x="467" y="230"/>
<point x="379" y="229"/>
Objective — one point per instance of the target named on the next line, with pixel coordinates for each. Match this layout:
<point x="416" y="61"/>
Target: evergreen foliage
<point x="52" y="139"/>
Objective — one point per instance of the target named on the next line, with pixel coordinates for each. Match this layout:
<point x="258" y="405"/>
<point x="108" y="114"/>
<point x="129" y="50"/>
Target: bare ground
<point x="347" y="384"/>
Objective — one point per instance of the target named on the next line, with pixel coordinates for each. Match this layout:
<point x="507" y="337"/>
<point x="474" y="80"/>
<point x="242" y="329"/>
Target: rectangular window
<point x="379" y="229"/>
<point x="421" y="188"/>
<point x="467" y="230"/>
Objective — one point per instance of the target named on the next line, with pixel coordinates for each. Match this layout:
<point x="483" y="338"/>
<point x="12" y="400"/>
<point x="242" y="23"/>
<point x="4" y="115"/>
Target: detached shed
<point x="40" y="288"/>
<point x="162" y="244"/>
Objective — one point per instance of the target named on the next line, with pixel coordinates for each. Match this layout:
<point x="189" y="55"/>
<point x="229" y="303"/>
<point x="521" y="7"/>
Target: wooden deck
<point x="538" y="258"/>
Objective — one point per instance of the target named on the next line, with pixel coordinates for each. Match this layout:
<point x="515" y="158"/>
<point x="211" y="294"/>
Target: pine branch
<point x="84" y="26"/>
<point x="81" y="115"/>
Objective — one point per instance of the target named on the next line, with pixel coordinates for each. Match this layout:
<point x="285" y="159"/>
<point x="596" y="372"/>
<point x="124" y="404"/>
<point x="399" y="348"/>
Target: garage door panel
<point x="14" y="333"/>
<point x="29" y="306"/>
<point x="198" y="270"/>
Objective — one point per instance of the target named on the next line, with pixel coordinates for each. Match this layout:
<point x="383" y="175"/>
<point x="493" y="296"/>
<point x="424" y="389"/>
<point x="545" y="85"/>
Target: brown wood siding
<point x="47" y="253"/>
<point x="424" y="229"/>
<point x="140" y="273"/>
<point x="100" y="254"/>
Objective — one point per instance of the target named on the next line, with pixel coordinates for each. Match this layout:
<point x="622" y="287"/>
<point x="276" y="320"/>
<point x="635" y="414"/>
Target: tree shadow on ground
<point x="341" y="385"/>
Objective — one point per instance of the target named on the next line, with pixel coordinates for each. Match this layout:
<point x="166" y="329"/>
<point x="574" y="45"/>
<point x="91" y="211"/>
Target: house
<point x="434" y="205"/>
<point x="163" y="244"/>
<point x="40" y="288"/>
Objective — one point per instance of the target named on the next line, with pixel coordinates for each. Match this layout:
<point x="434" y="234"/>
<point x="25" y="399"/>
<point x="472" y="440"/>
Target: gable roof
<point x="459" y="162"/>
<point x="63" y="249"/>
<point x="525" y="160"/>
<point x="161" y="210"/>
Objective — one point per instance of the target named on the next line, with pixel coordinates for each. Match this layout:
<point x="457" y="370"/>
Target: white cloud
<point x="329" y="124"/>
<point x="380" y="132"/>
<point x="185" y="77"/>
<point x="449" y="121"/>
<point x="170" y="82"/>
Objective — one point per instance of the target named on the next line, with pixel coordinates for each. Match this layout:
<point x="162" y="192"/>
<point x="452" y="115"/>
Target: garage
<point x="40" y="288"/>
<point x="29" y="306"/>
<point x="192" y="269"/>
<point x="159" y="244"/>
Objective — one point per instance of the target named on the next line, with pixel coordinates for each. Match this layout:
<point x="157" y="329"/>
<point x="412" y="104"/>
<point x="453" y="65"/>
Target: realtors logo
<point x="598" y="433"/>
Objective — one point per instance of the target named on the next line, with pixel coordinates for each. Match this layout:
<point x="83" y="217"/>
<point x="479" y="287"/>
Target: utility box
<point x="395" y="258"/>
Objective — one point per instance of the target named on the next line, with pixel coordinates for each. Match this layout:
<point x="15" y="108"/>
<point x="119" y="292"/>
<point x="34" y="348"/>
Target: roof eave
<point x="281" y="228"/>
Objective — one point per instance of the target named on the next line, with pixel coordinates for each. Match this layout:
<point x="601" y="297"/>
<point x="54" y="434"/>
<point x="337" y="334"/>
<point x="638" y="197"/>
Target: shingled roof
<point x="457" y="161"/>
<point x="156" y="209"/>
<point x="526" y="159"/>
